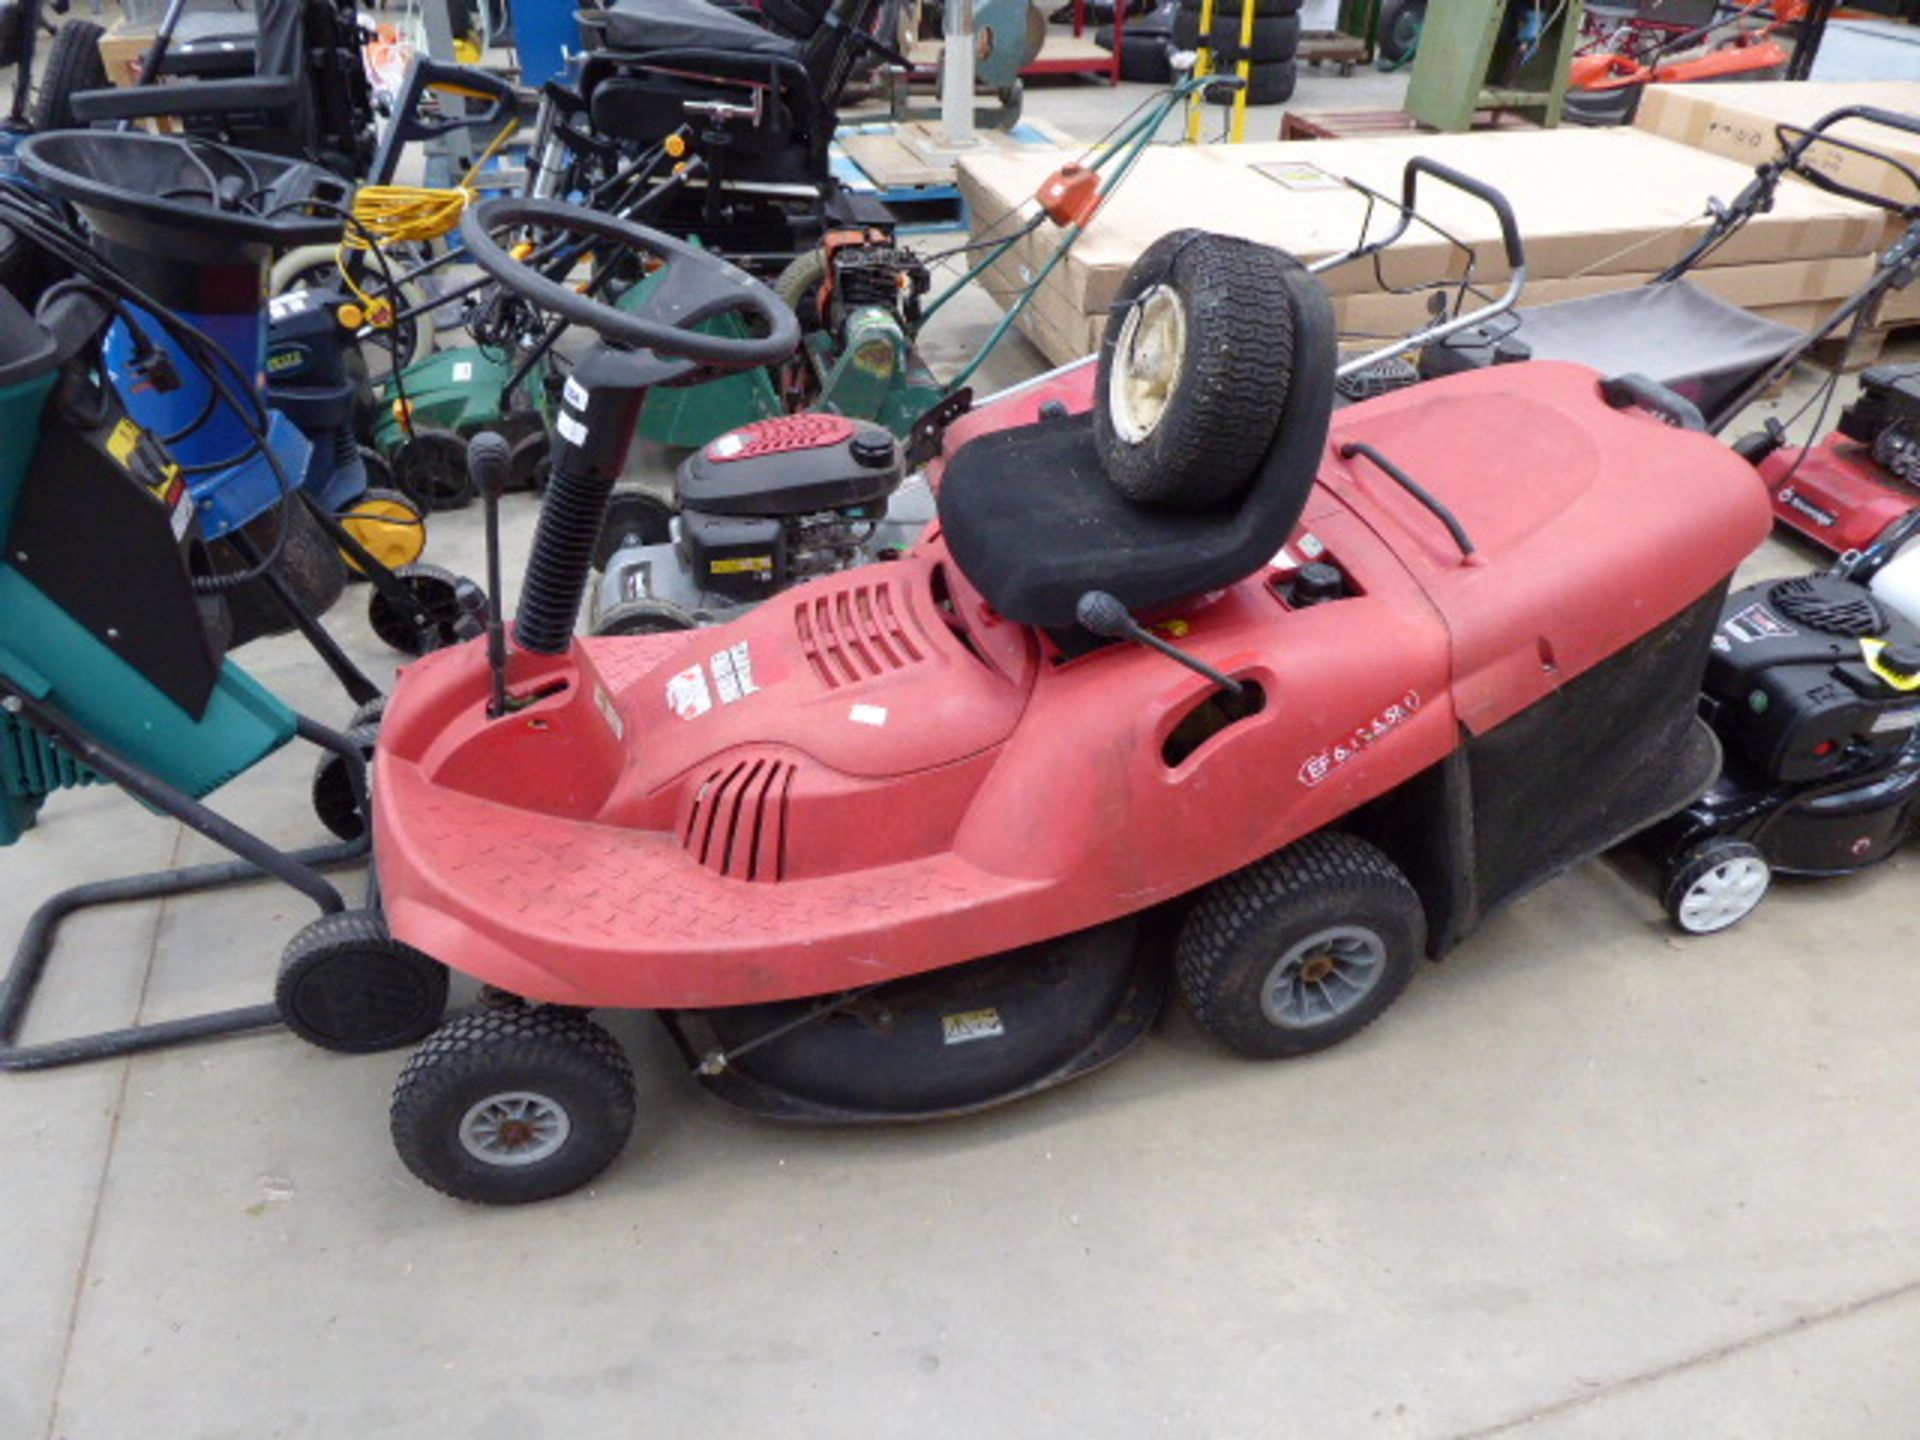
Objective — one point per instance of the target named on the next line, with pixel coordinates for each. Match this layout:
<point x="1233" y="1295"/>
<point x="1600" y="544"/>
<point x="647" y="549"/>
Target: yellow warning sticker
<point x="741" y="565"/>
<point x="123" y="441"/>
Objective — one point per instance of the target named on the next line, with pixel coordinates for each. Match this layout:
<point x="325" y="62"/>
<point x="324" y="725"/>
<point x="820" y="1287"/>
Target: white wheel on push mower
<point x="1715" y="885"/>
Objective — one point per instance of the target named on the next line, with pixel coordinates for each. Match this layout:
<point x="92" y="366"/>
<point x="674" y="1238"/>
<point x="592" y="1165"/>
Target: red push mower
<point x="1674" y="42"/>
<point x="1177" y="659"/>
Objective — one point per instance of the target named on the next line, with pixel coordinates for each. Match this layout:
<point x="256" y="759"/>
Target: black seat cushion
<point x="1031" y="519"/>
<point x="642" y="26"/>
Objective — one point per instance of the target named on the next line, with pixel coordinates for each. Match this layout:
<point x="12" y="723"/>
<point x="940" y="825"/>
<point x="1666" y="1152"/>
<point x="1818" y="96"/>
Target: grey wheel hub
<point x="1322" y="976"/>
<point x="514" y="1127"/>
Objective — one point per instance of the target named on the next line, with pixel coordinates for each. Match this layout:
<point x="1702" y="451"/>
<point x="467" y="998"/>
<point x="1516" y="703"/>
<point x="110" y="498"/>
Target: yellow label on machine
<point x="123" y="441"/>
<point x="741" y="565"/>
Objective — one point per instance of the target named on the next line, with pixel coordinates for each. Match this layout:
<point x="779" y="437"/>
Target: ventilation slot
<point x="1829" y="605"/>
<point x="855" y="634"/>
<point x="737" y="825"/>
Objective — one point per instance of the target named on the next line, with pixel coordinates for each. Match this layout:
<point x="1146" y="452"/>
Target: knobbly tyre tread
<point x="354" y="929"/>
<point x="1239" y="360"/>
<point x="1325" y="865"/>
<point x="503" y="1040"/>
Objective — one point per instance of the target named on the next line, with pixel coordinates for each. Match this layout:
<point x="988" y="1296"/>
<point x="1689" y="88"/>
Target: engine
<point x="1886" y="417"/>
<point x="1812" y="679"/>
<point x="866" y="270"/>
<point x="784" y="500"/>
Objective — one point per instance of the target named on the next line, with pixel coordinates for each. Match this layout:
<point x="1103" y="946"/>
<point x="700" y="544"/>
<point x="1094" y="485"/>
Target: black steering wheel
<point x="692" y="287"/>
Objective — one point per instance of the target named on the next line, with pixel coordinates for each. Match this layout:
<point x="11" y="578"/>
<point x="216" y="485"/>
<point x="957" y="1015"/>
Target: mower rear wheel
<point x="1194" y="369"/>
<point x="437" y="592"/>
<point x="1302" y="949"/>
<point x="345" y="984"/>
<point x="1714" y="885"/>
<point x="389" y="525"/>
<point x="644" y="617"/>
<point x="530" y="462"/>
<point x="334" y="799"/>
<point x="431" y="466"/>
<point x="507" y="1106"/>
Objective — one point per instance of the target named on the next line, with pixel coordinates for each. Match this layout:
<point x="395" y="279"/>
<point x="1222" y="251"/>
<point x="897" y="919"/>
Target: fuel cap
<point x="872" y="448"/>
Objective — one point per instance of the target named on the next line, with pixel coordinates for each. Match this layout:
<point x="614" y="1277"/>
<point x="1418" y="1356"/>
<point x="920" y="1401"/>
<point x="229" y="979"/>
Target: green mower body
<point x="98" y="617"/>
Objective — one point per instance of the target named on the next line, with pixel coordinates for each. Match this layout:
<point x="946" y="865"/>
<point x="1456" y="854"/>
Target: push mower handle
<point x="1796" y="140"/>
<point x="1656" y="399"/>
<point x="1480" y="190"/>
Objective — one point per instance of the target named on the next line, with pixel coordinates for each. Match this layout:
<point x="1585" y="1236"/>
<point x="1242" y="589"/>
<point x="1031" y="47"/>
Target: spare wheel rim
<point x="1147" y="360"/>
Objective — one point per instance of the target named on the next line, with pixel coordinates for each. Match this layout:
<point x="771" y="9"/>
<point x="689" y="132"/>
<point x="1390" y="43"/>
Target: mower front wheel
<point x="345" y="984"/>
<point x="430" y="465"/>
<point x="389" y="526"/>
<point x="1302" y="949"/>
<point x="1714" y="885"/>
<point x="507" y="1106"/>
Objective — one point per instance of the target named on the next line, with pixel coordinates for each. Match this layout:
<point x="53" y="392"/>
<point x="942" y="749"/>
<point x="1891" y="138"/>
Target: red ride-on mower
<point x="900" y="842"/>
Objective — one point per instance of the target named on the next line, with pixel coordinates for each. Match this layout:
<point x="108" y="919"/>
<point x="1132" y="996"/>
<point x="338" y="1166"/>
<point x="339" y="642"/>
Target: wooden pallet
<point x="1365" y="124"/>
<point x="1332" y="47"/>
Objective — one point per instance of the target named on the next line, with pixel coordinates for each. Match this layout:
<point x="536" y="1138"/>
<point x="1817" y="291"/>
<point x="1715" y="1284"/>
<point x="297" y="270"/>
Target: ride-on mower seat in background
<point x="1032" y="518"/>
<point x="307" y="94"/>
<point x="640" y="26"/>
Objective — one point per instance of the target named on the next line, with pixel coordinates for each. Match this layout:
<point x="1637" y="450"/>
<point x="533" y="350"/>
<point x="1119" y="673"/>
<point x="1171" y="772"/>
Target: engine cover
<point x="793" y="465"/>
<point x="1810" y="676"/>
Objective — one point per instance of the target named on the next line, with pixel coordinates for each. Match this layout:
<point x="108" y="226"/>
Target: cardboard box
<point x="122" y="49"/>
<point x="1739" y="121"/>
<point x="1587" y="201"/>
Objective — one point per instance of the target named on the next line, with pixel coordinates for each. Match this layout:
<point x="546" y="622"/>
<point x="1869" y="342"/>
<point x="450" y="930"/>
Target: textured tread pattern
<point x="432" y="1092"/>
<point x="1324" y="865"/>
<point x="410" y="1002"/>
<point x="1220" y="419"/>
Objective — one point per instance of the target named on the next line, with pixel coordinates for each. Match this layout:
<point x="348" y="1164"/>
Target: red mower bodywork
<point x="1834" y="494"/>
<point x="874" y="775"/>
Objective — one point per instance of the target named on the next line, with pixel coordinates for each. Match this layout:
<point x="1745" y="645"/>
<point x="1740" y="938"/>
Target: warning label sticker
<point x="966" y="1025"/>
<point x="733" y="673"/>
<point x="687" y="694"/>
<point x="1756" y="622"/>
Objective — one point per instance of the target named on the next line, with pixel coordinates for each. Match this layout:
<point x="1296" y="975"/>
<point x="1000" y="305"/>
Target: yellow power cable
<point x="401" y="214"/>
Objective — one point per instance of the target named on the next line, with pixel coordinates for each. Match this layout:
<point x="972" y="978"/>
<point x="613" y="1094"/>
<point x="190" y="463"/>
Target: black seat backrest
<point x="1034" y="523"/>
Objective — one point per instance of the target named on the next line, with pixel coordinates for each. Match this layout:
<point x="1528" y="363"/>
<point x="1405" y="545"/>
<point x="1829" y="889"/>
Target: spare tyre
<point x="1268" y="83"/>
<point x="1194" y="369"/>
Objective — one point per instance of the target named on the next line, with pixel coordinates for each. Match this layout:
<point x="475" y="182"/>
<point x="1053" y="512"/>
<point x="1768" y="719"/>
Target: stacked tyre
<point x="1270" y="52"/>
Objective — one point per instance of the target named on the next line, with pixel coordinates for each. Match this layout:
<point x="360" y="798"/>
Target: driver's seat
<point x="1031" y="518"/>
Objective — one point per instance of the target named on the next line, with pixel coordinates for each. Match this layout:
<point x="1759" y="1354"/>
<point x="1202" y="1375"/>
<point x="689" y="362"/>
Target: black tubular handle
<point x="465" y="82"/>
<point x="1656" y="399"/>
<point x="1796" y="140"/>
<point x="1479" y="189"/>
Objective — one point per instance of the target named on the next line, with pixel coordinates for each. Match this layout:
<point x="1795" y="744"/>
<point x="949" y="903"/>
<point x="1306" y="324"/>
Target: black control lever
<point x="489" y="461"/>
<point x="1102" y="614"/>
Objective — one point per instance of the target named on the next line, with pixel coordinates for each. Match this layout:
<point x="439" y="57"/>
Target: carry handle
<point x="1656" y="399"/>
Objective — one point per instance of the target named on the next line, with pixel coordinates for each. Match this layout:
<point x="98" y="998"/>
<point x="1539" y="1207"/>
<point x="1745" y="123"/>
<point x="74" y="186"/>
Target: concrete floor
<point x="1586" y="1179"/>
